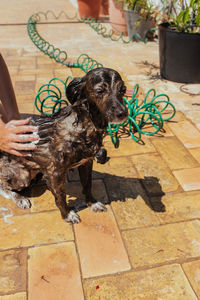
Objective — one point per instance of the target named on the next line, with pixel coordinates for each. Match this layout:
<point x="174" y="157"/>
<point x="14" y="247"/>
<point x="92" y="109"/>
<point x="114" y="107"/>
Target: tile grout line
<point x="145" y="268"/>
<point x="162" y="224"/>
<point x="79" y="261"/>
<point x="189" y="281"/>
<point x="27" y="276"/>
<point x="35" y="246"/>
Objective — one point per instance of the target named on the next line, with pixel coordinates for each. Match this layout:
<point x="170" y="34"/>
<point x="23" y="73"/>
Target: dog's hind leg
<point x="85" y="173"/>
<point x="20" y="201"/>
<point x="56" y="183"/>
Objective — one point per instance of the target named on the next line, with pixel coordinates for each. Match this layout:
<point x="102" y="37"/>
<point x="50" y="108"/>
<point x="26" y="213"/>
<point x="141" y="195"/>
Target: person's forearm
<point x="7" y="95"/>
<point x="3" y="113"/>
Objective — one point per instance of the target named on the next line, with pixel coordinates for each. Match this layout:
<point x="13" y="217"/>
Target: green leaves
<point x="198" y="17"/>
<point x="188" y="20"/>
<point x="182" y="16"/>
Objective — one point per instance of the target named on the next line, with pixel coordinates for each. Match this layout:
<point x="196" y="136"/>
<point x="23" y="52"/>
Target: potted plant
<point x="89" y="8"/>
<point x="117" y="17"/>
<point x="179" y="42"/>
<point x="140" y="17"/>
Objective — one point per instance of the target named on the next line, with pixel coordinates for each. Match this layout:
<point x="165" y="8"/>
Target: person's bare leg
<point x="8" y="109"/>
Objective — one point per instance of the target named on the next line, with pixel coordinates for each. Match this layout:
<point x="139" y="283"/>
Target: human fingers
<point x="19" y="153"/>
<point x="24" y="129"/>
<point x="23" y="138"/>
<point x="23" y="147"/>
<point x="18" y="122"/>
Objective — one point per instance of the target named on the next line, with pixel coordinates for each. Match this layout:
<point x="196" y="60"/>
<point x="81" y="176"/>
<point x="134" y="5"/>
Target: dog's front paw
<point x="23" y="203"/>
<point x="73" y="218"/>
<point x="98" y="207"/>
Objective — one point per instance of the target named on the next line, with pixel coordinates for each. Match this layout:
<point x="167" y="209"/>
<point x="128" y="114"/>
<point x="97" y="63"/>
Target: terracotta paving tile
<point x="156" y="174"/>
<point x="53" y="273"/>
<point x="194" y="116"/>
<point x="8" y="209"/>
<point x="40" y="72"/>
<point x="23" y="78"/>
<point x="163" y="283"/>
<point x="99" y="244"/>
<point x="129" y="147"/>
<point x="13" y="271"/>
<point x="187" y="133"/>
<point x="166" y="131"/>
<point x="26" y="108"/>
<point x="189" y="178"/>
<point x="18" y="296"/>
<point x="116" y="167"/>
<point x="27" y="86"/>
<point x="167" y="243"/>
<point x="174" y="153"/>
<point x="25" y="66"/>
<point x="179" y="117"/>
<point x="13" y="71"/>
<point x="180" y="207"/>
<point x="134" y="212"/>
<point x="44" y="60"/>
<point x="76" y="72"/>
<point x="192" y="271"/>
<point x="34" y="229"/>
<point x="28" y="61"/>
<point x="195" y="153"/>
<point x="47" y="65"/>
<point x="43" y="202"/>
<point x="23" y="99"/>
<point x="62" y="73"/>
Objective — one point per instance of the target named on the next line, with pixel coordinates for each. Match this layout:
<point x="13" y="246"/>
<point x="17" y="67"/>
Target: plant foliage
<point x="143" y="7"/>
<point x="182" y="15"/>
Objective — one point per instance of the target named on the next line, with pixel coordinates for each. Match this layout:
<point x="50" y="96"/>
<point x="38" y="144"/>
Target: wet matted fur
<point x="68" y="139"/>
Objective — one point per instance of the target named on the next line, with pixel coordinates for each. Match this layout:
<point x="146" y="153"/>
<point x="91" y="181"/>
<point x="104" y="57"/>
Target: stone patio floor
<point x="137" y="249"/>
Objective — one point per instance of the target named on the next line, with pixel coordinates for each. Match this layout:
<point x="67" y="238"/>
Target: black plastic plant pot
<point x="179" y="55"/>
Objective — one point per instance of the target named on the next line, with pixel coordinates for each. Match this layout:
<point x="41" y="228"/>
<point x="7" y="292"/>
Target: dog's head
<point x="104" y="89"/>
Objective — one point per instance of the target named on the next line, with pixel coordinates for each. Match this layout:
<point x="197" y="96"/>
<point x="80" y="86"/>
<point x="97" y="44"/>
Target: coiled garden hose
<point x="102" y="30"/>
<point x="145" y="118"/>
<point x="83" y="62"/>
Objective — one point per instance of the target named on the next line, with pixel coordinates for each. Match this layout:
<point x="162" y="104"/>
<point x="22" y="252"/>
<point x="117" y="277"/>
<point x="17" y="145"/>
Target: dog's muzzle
<point x="121" y="115"/>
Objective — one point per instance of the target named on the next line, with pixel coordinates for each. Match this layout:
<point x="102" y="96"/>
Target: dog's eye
<point x="99" y="91"/>
<point x="122" y="90"/>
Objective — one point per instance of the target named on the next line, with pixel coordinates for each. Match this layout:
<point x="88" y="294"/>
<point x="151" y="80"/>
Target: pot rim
<point x="165" y="26"/>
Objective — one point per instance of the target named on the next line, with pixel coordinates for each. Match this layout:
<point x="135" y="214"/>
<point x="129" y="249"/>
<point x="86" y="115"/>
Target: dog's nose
<point x="122" y="114"/>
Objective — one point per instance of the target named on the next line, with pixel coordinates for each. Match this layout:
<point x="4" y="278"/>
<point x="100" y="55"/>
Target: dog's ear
<point x="75" y="90"/>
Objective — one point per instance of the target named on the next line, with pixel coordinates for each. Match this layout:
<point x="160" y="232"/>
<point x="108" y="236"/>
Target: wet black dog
<point x="68" y="139"/>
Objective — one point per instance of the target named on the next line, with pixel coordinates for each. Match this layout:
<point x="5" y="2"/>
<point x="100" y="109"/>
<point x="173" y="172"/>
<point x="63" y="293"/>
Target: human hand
<point x="12" y="137"/>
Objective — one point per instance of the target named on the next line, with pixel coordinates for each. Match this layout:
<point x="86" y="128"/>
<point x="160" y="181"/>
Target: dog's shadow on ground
<point x="107" y="188"/>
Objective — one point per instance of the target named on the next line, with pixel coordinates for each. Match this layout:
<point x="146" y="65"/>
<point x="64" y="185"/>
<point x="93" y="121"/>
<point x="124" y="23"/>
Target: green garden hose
<point x="83" y="62"/>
